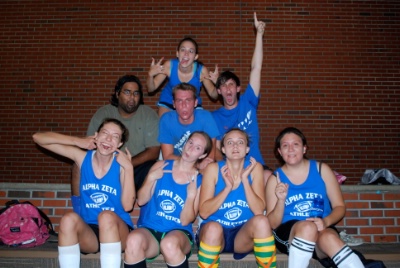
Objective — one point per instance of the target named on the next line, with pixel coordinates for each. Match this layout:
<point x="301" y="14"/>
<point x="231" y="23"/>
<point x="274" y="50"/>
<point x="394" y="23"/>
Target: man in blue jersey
<point x="177" y="125"/>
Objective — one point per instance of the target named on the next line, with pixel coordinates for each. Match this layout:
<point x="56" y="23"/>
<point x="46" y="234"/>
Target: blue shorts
<point x="229" y="237"/>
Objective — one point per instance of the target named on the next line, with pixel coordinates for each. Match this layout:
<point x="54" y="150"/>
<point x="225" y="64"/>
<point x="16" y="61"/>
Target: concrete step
<point x="47" y="256"/>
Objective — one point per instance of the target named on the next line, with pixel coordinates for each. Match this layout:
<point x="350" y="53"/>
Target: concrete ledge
<point x="67" y="187"/>
<point x="47" y="256"/>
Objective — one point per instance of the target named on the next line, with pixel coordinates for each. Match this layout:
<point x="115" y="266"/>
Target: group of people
<point x="211" y="169"/>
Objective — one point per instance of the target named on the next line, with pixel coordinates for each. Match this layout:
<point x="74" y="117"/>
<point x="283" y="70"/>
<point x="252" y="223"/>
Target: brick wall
<point x="372" y="211"/>
<point x="331" y="68"/>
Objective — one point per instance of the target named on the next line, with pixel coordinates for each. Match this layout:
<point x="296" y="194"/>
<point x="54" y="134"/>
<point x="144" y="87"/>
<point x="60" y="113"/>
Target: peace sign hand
<point x="124" y="159"/>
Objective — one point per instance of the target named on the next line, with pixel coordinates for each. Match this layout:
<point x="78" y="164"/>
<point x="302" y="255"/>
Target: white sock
<point x="346" y="258"/>
<point x="300" y="253"/>
<point x="69" y="256"/>
<point x="110" y="255"/>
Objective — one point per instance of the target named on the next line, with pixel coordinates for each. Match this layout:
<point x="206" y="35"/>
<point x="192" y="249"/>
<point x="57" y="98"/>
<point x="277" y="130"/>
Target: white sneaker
<point x="350" y="240"/>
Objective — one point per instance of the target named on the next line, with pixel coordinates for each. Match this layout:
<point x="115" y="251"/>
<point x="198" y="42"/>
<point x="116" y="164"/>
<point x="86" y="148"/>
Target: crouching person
<point x="169" y="204"/>
<point x="107" y="193"/>
<point x="232" y="205"/>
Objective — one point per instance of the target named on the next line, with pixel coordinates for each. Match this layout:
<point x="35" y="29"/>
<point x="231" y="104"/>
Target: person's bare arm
<point x="257" y="60"/>
<point x="209" y="80"/>
<point x="157" y="74"/>
<point x="167" y="151"/>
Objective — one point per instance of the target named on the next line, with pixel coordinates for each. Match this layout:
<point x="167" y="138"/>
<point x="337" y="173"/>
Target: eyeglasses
<point x="129" y="93"/>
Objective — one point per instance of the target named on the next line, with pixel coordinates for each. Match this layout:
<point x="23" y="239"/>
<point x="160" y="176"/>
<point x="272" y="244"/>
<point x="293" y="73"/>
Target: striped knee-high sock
<point x="265" y="252"/>
<point x="346" y="258"/>
<point x="208" y="256"/>
<point x="300" y="253"/>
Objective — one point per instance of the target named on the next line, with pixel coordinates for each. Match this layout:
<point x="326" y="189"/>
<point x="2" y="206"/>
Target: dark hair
<point x="125" y="131"/>
<point x="184" y="87"/>
<point x="190" y="40"/>
<point x="208" y="147"/>
<point x="235" y="129"/>
<point x="279" y="138"/>
<point x="120" y="83"/>
<point x="225" y="76"/>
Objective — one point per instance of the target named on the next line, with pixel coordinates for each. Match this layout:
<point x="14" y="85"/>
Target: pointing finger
<point x="278" y="180"/>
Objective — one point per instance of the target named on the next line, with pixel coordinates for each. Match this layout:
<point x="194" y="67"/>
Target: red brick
<point x="42" y="194"/>
<point x="55" y="203"/>
<point x="343" y="95"/>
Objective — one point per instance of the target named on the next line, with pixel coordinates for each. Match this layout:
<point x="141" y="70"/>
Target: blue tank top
<point x="234" y="211"/>
<point x="166" y="92"/>
<point x="98" y="194"/>
<point x="300" y="198"/>
<point x="163" y="211"/>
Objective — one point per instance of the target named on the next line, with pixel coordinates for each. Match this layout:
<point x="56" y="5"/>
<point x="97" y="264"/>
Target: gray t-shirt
<point x="142" y="126"/>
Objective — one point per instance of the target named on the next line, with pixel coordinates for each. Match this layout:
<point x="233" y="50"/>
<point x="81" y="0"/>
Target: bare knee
<point x="211" y="233"/>
<point x="261" y="227"/>
<point x="306" y="230"/>
<point x="69" y="222"/>
<point x="135" y="242"/>
<point x="107" y="219"/>
<point x="170" y="247"/>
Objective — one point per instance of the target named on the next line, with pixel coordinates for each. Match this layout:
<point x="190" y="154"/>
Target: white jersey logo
<point x="99" y="198"/>
<point x="304" y="206"/>
<point x="233" y="214"/>
<point x="246" y="122"/>
<point x="167" y="206"/>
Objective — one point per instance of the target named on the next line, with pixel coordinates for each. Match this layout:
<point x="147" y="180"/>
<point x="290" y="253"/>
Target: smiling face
<point x="108" y="138"/>
<point x="235" y="144"/>
<point x="292" y="148"/>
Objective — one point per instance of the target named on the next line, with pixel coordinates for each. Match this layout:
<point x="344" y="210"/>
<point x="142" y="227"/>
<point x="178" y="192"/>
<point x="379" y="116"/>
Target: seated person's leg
<point x="211" y="239"/>
<point x="176" y="248"/>
<point x="75" y="194"/>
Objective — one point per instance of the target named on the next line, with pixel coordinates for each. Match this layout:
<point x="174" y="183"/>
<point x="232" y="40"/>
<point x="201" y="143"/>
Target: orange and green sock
<point x="265" y="252"/>
<point x="208" y="256"/>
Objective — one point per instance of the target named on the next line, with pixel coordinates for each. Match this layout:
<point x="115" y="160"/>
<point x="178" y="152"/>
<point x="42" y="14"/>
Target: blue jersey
<point x="163" y="211"/>
<point x="99" y="194"/>
<point x="175" y="133"/>
<point x="300" y="198"/>
<point x="243" y="116"/>
<point x="235" y="210"/>
<point x="166" y="93"/>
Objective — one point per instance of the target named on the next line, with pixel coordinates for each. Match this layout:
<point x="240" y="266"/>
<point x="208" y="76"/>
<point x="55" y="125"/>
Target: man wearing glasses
<point x="142" y="122"/>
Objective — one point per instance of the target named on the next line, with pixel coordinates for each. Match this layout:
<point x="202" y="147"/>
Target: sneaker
<point x="350" y="240"/>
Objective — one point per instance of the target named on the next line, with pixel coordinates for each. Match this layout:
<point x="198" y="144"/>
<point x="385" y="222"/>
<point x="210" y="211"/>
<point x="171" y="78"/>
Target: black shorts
<point x="282" y="234"/>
